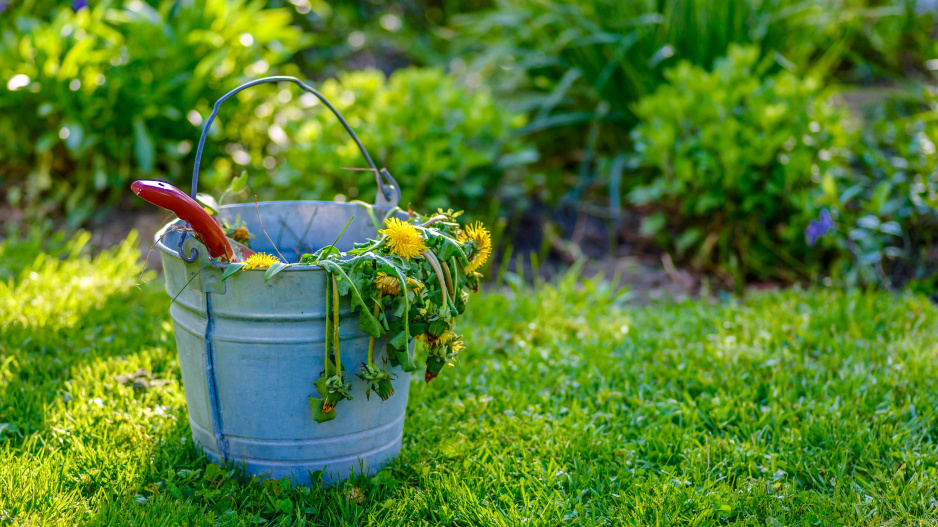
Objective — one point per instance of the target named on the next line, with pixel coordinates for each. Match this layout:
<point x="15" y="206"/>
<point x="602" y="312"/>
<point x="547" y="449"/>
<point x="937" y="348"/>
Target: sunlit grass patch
<point x="569" y="406"/>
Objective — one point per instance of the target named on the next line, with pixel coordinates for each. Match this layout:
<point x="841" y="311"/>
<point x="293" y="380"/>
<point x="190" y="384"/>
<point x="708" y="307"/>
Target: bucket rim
<point x="294" y="267"/>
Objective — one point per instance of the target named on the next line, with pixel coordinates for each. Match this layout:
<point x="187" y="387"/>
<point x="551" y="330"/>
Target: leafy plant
<point x="727" y="161"/>
<point x="411" y="284"/>
<point x="884" y="208"/>
<point x="97" y="96"/>
<point x="579" y="67"/>
<point x="382" y="34"/>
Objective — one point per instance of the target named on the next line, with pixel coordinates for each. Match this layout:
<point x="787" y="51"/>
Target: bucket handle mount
<point x="389" y="194"/>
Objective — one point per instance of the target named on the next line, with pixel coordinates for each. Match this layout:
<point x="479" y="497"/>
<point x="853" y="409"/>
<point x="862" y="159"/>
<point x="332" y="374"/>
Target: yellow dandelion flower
<point x="403" y="238"/>
<point x="447" y="336"/>
<point x="415" y="285"/>
<point x="435" y="342"/>
<point x="388" y="285"/>
<point x="260" y="261"/>
<point x="480" y="236"/>
<point x="241" y="234"/>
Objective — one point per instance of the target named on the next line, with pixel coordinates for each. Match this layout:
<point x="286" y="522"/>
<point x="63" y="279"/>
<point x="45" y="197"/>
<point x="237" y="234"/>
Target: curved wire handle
<point x="387" y="187"/>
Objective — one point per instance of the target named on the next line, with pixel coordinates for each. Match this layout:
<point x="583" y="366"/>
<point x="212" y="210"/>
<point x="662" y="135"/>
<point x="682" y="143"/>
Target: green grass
<point x="570" y="407"/>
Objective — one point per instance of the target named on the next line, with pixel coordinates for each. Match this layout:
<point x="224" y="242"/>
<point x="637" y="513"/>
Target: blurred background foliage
<point x="446" y="145"/>
<point x="725" y="160"/>
<point x="751" y="140"/>
<point x="107" y="93"/>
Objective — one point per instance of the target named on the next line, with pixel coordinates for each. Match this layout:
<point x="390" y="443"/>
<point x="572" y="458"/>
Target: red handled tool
<point x="206" y="228"/>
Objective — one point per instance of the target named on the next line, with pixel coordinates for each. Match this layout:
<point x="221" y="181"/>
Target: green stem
<point x="336" y="239"/>
<point x="449" y="282"/>
<point x="431" y="221"/>
<point x="389" y="213"/>
<point x="335" y="325"/>
<point x="371" y="213"/>
<point x="329" y="329"/>
<point x="371" y="341"/>
<point x="373" y="247"/>
<point x="435" y="264"/>
<point x="455" y="274"/>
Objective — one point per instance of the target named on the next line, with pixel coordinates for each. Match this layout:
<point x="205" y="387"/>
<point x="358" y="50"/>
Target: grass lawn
<point x="569" y="407"/>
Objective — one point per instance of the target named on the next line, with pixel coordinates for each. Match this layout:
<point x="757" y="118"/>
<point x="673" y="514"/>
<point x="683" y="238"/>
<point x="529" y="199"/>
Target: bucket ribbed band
<point x="210" y="378"/>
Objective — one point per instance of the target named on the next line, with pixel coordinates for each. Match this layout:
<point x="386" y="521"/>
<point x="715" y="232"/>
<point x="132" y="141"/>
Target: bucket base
<point x="335" y="470"/>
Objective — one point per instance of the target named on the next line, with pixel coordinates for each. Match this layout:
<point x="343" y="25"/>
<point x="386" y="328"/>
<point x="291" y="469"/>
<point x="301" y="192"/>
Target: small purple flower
<point x="4" y="4"/>
<point x="819" y="229"/>
<point x="78" y="5"/>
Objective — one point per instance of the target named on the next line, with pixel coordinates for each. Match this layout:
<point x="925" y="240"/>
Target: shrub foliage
<point x="730" y="161"/>
<point x="105" y="94"/>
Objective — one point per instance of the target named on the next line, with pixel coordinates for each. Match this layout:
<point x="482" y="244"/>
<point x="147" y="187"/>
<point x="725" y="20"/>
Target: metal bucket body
<point x="250" y="351"/>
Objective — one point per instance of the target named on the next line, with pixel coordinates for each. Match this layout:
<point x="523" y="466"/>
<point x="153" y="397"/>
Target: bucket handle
<point x="389" y="194"/>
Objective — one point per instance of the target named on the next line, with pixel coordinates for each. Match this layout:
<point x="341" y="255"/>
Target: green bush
<point x="884" y="208"/>
<point x="763" y="178"/>
<point x="109" y="93"/>
<point x="382" y="34"/>
<point x="579" y="67"/>
<point x="730" y="162"/>
<point x="443" y="143"/>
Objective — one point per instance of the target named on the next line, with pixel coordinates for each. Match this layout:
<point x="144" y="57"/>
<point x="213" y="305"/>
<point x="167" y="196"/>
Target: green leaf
<point x="891" y="227"/>
<point x="400" y="352"/>
<point x="418" y="327"/>
<point x="274" y="269"/>
<point x="405" y="358"/>
<point x="366" y="321"/>
<point x="321" y="254"/>
<point x="208" y="203"/>
<point x="360" y="278"/>
<point x="448" y="249"/>
<point x="869" y="222"/>
<point x="652" y="225"/>
<point x="238" y="183"/>
<point x="320" y="383"/>
<point x="315" y="407"/>
<point x="399" y="340"/>
<point x="231" y="269"/>
<point x="385" y="263"/>
<point x="871" y="257"/>
<point x="143" y="147"/>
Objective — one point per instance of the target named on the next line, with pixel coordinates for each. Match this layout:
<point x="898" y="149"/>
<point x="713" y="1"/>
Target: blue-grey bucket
<point x="250" y="351"/>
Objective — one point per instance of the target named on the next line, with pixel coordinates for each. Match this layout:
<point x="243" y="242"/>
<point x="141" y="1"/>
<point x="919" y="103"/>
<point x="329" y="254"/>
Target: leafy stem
<point x="371" y="212"/>
<point x="449" y="282"/>
<point x="329" y="332"/>
<point x="432" y="220"/>
<point x="435" y="264"/>
<point x="371" y="341"/>
<point x="335" y="325"/>
<point x="335" y="242"/>
<point x="373" y="247"/>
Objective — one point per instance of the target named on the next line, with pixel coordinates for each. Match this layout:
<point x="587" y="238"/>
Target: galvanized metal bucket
<point x="249" y="351"/>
